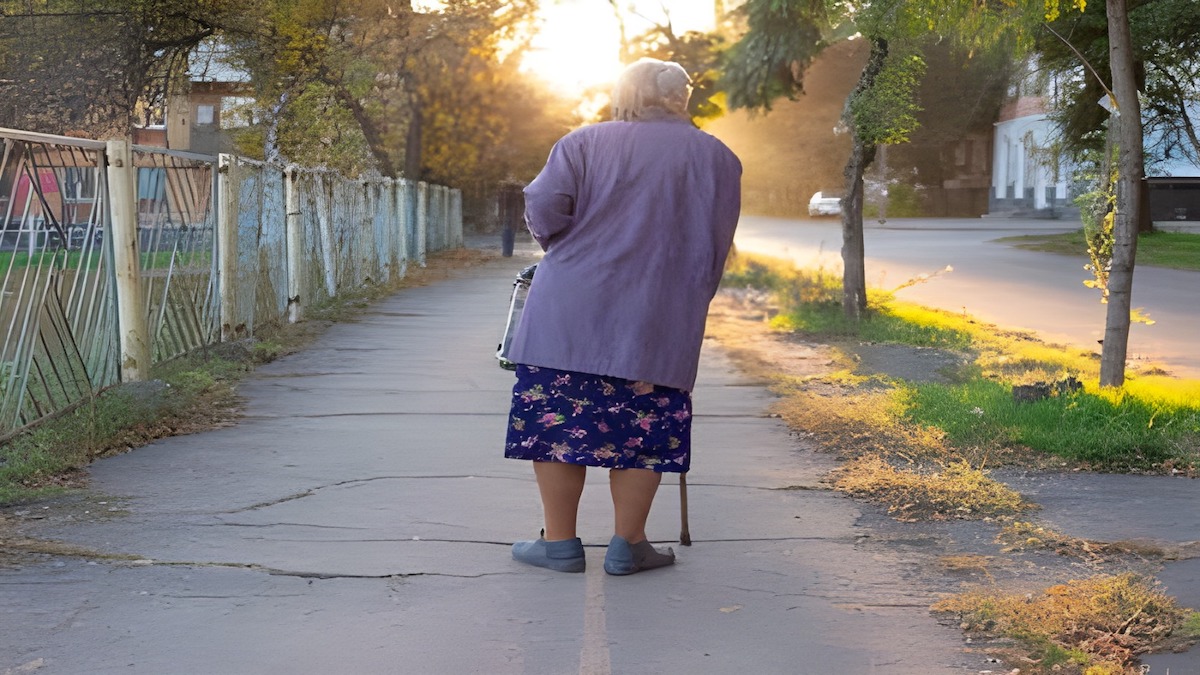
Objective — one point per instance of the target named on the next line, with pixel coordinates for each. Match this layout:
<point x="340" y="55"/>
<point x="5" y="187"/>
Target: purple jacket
<point x="636" y="219"/>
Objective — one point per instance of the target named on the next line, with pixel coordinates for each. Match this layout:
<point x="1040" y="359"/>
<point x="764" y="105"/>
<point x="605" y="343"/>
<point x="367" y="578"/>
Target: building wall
<point x="1174" y="200"/>
<point x="195" y="121"/>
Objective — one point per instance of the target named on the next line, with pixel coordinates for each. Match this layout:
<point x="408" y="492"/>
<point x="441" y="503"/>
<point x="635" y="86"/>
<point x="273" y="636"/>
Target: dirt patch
<point x="740" y="324"/>
<point x="913" y="364"/>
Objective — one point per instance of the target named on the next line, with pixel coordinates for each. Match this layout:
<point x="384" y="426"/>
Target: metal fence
<point x="115" y="257"/>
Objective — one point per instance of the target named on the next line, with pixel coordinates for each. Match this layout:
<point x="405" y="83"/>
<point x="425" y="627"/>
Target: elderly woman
<point x="636" y="217"/>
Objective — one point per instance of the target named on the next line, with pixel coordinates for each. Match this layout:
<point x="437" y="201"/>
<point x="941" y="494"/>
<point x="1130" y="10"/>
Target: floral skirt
<point x="594" y="420"/>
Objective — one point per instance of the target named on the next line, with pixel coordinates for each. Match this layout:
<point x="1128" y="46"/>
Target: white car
<point x="825" y="204"/>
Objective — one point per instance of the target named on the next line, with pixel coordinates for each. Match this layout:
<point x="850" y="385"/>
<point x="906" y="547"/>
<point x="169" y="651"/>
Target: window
<point x="79" y="183"/>
<point x="205" y="113"/>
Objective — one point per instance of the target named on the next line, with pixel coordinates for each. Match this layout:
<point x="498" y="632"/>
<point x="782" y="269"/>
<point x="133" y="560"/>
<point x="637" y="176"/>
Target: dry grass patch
<point x="968" y="563"/>
<point x="955" y="490"/>
<point x="1094" y="626"/>
<point x="1019" y="536"/>
<point x="854" y="421"/>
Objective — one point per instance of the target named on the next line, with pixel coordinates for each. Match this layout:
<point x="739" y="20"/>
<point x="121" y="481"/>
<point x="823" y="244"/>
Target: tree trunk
<point x="854" y="266"/>
<point x="1131" y="169"/>
<point x="271" y="150"/>
<point x="862" y="153"/>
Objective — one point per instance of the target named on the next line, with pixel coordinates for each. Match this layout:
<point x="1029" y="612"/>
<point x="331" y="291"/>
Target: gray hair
<point x="650" y="83"/>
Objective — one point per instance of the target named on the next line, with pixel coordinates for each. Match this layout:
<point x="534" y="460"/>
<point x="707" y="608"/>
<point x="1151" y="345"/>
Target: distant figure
<point x="636" y="217"/>
<point x="512" y="205"/>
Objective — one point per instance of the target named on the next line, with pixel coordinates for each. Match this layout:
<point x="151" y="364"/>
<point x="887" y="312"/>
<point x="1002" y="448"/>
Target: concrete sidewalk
<point x="358" y="520"/>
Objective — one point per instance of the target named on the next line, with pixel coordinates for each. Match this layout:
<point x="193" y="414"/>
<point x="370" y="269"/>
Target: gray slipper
<point x="647" y="557"/>
<point x="560" y="556"/>
<point x="624" y="558"/>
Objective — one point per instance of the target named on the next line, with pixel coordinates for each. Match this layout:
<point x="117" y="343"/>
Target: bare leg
<point x="632" y="494"/>
<point x="561" y="486"/>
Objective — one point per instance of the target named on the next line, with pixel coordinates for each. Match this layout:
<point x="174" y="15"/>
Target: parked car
<point x="825" y="203"/>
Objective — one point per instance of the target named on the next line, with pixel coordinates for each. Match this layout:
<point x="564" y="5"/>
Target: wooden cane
<point x="685" y="537"/>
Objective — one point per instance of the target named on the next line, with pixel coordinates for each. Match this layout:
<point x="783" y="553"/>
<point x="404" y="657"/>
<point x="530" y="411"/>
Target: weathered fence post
<point x="404" y="217"/>
<point x="422" y="221"/>
<point x="456" y="218"/>
<point x="447" y="229"/>
<point x="227" y="231"/>
<point x="388" y="235"/>
<point x="295" y="257"/>
<point x="325" y="224"/>
<point x="132" y="324"/>
<point x="368" y="257"/>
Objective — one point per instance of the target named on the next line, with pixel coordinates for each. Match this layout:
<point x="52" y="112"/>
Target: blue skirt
<point x="594" y="420"/>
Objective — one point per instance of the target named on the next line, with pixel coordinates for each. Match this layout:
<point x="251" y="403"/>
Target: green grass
<point x="1191" y="624"/>
<point x="884" y="324"/>
<point x="68" y="260"/>
<point x="812" y="303"/>
<point x="32" y="463"/>
<point x="1153" y="421"/>
<point x="76" y="259"/>
<point x="1175" y="250"/>
<point x="1086" y="427"/>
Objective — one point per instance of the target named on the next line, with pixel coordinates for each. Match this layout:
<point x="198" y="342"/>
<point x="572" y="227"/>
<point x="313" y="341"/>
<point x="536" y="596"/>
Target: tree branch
<point x="1086" y="63"/>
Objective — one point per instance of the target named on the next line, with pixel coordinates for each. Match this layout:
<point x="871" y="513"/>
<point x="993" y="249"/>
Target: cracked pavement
<point x="358" y="518"/>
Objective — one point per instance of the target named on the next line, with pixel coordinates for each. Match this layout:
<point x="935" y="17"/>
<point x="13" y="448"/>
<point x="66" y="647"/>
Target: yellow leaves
<point x="1052" y="11"/>
<point x="1054" y="8"/>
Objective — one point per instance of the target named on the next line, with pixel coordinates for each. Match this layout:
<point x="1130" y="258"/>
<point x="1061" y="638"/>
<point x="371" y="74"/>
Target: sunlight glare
<point x="578" y="43"/>
<point x="577" y="46"/>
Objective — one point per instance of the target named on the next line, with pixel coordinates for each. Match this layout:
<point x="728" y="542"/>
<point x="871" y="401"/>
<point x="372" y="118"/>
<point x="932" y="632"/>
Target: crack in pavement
<point x="275" y="502"/>
<point x="401" y="413"/>
<point x="263" y="525"/>
<point x="275" y="571"/>
<point x="357" y="481"/>
<point x="361" y="481"/>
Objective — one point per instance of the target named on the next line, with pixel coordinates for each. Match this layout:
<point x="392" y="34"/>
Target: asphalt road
<point x="997" y="282"/>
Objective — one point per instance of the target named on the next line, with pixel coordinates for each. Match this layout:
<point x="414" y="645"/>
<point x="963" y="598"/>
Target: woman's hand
<point x="641" y="388"/>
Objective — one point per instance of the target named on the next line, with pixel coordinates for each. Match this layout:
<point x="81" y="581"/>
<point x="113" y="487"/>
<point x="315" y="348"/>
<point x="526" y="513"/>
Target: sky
<point x="579" y="40"/>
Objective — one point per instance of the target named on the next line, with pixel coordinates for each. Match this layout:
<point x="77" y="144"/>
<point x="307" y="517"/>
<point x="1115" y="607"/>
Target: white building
<point x="1029" y="175"/>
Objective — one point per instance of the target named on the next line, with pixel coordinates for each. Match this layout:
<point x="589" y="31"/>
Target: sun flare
<point x="576" y="47"/>
<point x="578" y="42"/>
